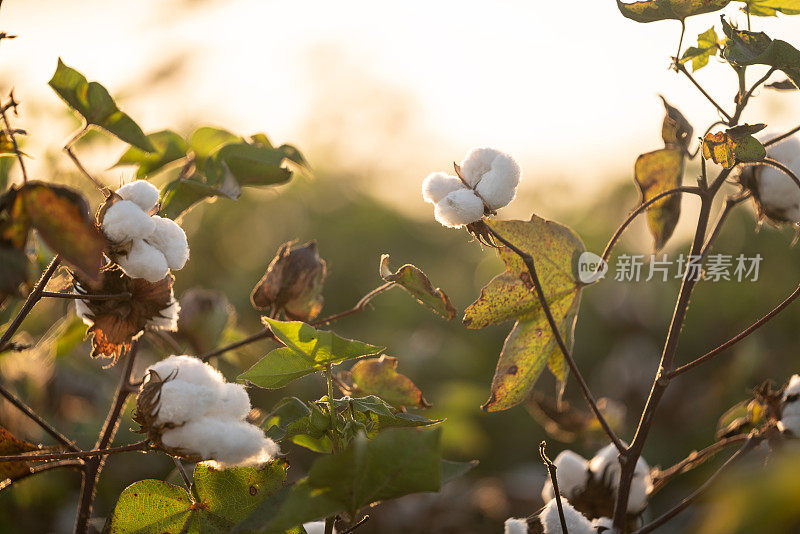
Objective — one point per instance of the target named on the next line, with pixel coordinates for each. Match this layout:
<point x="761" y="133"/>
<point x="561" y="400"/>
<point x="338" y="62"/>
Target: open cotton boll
<point x="572" y="470"/>
<point x="783" y="151"/>
<point x="516" y="526"/>
<point x="476" y="163"/>
<point x="141" y="192"/>
<point x="144" y="261"/>
<point x="232" y="401"/>
<point x="83" y="311"/>
<point x="778" y="193"/>
<point x="438" y="185"/>
<point x="228" y="441"/>
<point x="498" y="186"/>
<point x="603" y="525"/>
<point x="125" y="221"/>
<point x="605" y="466"/>
<point x="790" y="412"/>
<point x="188" y="369"/>
<point x="170" y="239"/>
<point x="181" y="401"/>
<point x="459" y="208"/>
<point x="167" y="319"/>
<point x="576" y="522"/>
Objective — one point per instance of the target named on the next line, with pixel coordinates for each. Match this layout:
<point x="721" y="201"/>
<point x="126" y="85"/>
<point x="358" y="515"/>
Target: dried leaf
<point x="9" y="444"/>
<point x="757" y="48"/>
<point x="734" y="145"/>
<point x="656" y="172"/>
<point x="419" y="286"/>
<point x="379" y="376"/>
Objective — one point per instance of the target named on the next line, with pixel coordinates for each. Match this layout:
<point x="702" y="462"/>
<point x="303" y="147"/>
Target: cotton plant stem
<point x="680" y="67"/>
<point x="77" y="162"/>
<point x="736" y="339"/>
<point x="639" y="210"/>
<point x="92" y="454"/>
<point x="94" y="466"/>
<point x="531" y="266"/>
<point x="30" y="302"/>
<point x="75" y="464"/>
<point x="551" y="469"/>
<point x="10" y="134"/>
<point x="781" y="137"/>
<point x="629" y="458"/>
<point x="329" y="379"/>
<point x="730" y="203"/>
<point x="746" y="97"/>
<point x="36" y="418"/>
<point x="752" y="441"/>
<point x="88" y="296"/>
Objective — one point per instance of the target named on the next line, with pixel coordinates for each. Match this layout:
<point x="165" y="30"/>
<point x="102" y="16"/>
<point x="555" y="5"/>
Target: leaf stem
<point x="360" y="305"/>
<point x="10" y="133"/>
<point x="87" y="296"/>
<point x="139" y="446"/>
<point x="334" y="439"/>
<point x="264" y="334"/>
<point x="36" y="418"/>
<point x="744" y="98"/>
<point x="530" y="264"/>
<point x="42" y="468"/>
<point x="680" y="41"/>
<point x="680" y="67"/>
<point x="551" y="469"/>
<point x="68" y="149"/>
<point x="182" y="471"/>
<point x="30" y="302"/>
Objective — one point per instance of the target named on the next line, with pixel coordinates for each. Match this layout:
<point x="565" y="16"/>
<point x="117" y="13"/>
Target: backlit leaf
<point x="378" y="376"/>
<point x="735" y="145"/>
<point x="771" y="8"/>
<point x="96" y="105"/>
<point x="707" y="46"/>
<point x="745" y="48"/>
<point x="9" y="444"/>
<point x="168" y="146"/>
<point x="656" y="172"/>
<point x="653" y="10"/>
<point x="417" y="284"/>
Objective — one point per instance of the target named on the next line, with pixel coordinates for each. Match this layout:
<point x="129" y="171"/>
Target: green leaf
<point x="654" y="173"/>
<point x="396" y="463"/>
<point x="511" y="295"/>
<point x="168" y="147"/>
<point x="707" y="46"/>
<point x="307" y="350"/>
<point x="734" y="145"/>
<point x="653" y="10"/>
<point x="745" y="48"/>
<point x="249" y="165"/>
<point x="452" y="470"/>
<point x="181" y="194"/>
<point x="225" y="497"/>
<point x="207" y="140"/>
<point x="379" y="376"/>
<point x="417" y="284"/>
<point x="96" y="105"/>
<point x="287" y="411"/>
<point x="771" y="8"/>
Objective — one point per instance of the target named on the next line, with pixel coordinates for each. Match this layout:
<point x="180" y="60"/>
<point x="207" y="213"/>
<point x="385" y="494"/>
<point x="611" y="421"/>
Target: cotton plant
<point x="186" y="407"/>
<point x="485" y="181"/>
<point x="143" y="244"/>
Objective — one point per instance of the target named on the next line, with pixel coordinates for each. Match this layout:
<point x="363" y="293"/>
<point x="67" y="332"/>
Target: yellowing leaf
<point x="653" y="10"/>
<point x="734" y="145"/>
<point x="419" y="286"/>
<point x="707" y="46"/>
<point x="531" y="344"/>
<point x="771" y="8"/>
<point x="378" y="376"/>
<point x="656" y="172"/>
<point x="757" y="48"/>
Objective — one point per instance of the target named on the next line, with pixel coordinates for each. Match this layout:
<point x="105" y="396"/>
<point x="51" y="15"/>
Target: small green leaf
<point x="96" y="105"/>
<point x="181" y="194"/>
<point x="417" y="284"/>
<point x="771" y="8"/>
<point x="745" y="48"/>
<point x="207" y="140"/>
<point x="452" y="470"/>
<point x="168" y="146"/>
<point x="249" y="165"/>
<point x="225" y="497"/>
<point x="734" y="145"/>
<point x="653" y="10"/>
<point x="307" y="350"/>
<point x="287" y="411"/>
<point x="707" y="46"/>
<point x="379" y="376"/>
<point x="654" y="173"/>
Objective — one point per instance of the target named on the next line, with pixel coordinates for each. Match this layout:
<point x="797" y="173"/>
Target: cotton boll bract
<point x="516" y="526"/>
<point x="125" y="221"/>
<point x="170" y="239"/>
<point x="576" y="522"/>
<point x="572" y="470"/>
<point x="438" y="185"/>
<point x="459" y="208"/>
<point x="141" y="192"/>
<point x="144" y="261"/>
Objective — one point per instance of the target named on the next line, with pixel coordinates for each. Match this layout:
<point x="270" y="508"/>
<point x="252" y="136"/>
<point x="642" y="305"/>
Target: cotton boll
<point x="783" y="151"/>
<point x="793" y="388"/>
<point x="572" y="470"/>
<point x="438" y="185"/>
<point x="603" y="525"/>
<point x="181" y="401"/>
<point x="188" y="369"/>
<point x="167" y="319"/>
<point x="228" y="442"/>
<point x="476" y="163"/>
<point x="315" y="527"/>
<point x="459" y="208"/>
<point x="170" y="239"/>
<point x="605" y="466"/>
<point x="575" y="521"/>
<point x="778" y="193"/>
<point x="141" y="192"/>
<point x="125" y="221"/>
<point x="233" y="401"/>
<point x="498" y="186"/>
<point x="790" y="412"/>
<point x="516" y="526"/>
<point x="83" y="311"/>
<point x="144" y="261"/>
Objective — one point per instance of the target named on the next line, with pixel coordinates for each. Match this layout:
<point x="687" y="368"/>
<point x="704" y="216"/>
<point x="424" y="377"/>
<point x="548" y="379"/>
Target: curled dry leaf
<point x="293" y="282"/>
<point x="379" y="376"/>
<point x="117" y="322"/>
<point x="734" y="145"/>
<point x="10" y="444"/>
<point x="419" y="286"/>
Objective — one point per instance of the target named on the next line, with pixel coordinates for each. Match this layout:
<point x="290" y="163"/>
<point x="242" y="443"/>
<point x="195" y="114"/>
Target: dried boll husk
<point x="293" y="282"/>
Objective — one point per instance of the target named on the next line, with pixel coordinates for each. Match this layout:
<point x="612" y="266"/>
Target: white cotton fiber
<point x="83" y="311"/>
<point x="498" y="186"/>
<point x="181" y="401"/>
<point x="125" y="221"/>
<point x="459" y="208"/>
<point x="572" y="470"/>
<point x="777" y="192"/>
<point x="167" y="319"/>
<point x="315" y="527"/>
<point x="232" y="401"/>
<point x="229" y="442"/>
<point x="575" y="521"/>
<point x="188" y="369"/>
<point x="603" y="524"/>
<point x="438" y="185"/>
<point x="144" y="261"/>
<point x="790" y="411"/>
<point x="170" y="239"/>
<point x="476" y="163"/>
<point x="605" y="467"/>
<point x="141" y="192"/>
<point x="516" y="526"/>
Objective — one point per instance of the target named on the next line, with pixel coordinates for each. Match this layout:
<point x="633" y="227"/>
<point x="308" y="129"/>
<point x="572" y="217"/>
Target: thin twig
<point x="752" y="441"/>
<point x="530" y="264"/>
<point x="360" y="522"/>
<point x="551" y="469"/>
<point x="30" y="302"/>
<point x="742" y="103"/>
<point x="77" y="162"/>
<point x="95" y="466"/>
<point x="182" y="471"/>
<point x="9" y="131"/>
<point x="36" y="418"/>
<point x="87" y="296"/>
<point x="781" y="137"/>
<point x="730" y="203"/>
<point x="360" y="305"/>
<point x="680" y="67"/>
<point x="28" y="457"/>
<point x="264" y="334"/>
<point x="49" y="466"/>
<point x="736" y="339"/>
